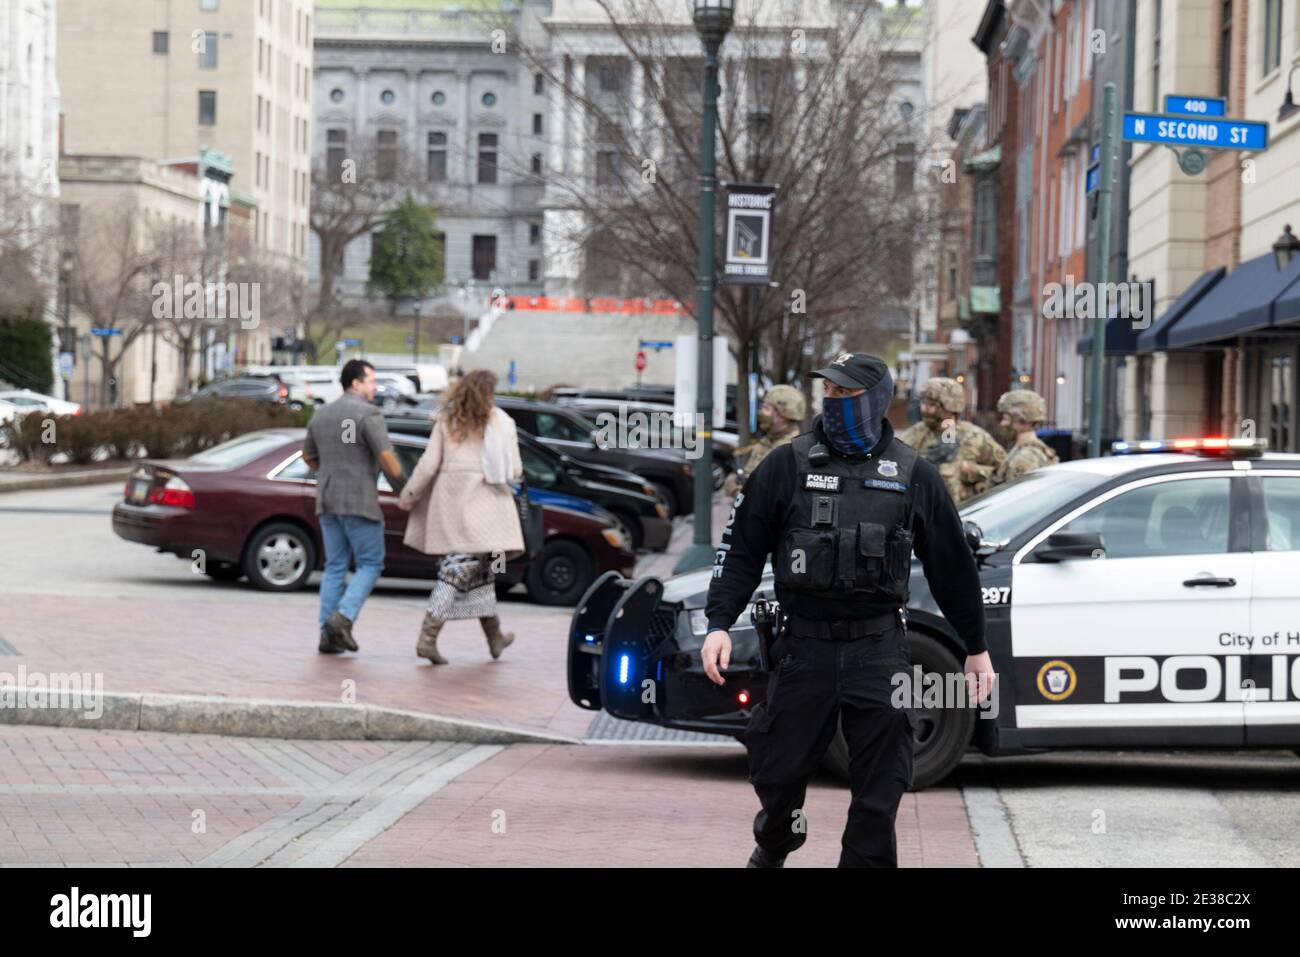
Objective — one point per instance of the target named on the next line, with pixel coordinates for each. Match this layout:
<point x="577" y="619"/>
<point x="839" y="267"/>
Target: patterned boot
<point x="497" y="642"/>
<point x="427" y="646"/>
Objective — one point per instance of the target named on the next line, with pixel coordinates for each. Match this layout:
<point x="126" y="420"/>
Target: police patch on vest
<point x="885" y="486"/>
<point x="887" y="468"/>
<point x="825" y="483"/>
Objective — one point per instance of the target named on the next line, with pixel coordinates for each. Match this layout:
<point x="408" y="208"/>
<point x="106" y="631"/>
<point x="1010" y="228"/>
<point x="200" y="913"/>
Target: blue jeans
<point x="347" y="536"/>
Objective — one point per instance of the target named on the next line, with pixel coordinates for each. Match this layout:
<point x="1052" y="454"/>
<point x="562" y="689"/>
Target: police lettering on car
<point x="840" y="510"/>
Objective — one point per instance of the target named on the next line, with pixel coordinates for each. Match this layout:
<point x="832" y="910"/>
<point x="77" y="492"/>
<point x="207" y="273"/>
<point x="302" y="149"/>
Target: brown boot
<point x="497" y="642"/>
<point x="427" y="646"/>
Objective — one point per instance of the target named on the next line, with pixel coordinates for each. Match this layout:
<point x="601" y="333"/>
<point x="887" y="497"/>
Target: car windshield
<point x="240" y="451"/>
<point x="1004" y="512"/>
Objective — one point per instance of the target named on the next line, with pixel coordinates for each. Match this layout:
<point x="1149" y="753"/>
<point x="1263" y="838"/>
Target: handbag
<point x="531" y="521"/>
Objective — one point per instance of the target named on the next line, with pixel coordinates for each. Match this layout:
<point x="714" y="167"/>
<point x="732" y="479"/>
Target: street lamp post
<point x="712" y="21"/>
<point x="68" y="346"/>
<point x="415" y="339"/>
<point x="760" y="121"/>
<point x="153" y="347"/>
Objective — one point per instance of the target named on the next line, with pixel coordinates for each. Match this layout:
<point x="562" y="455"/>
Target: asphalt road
<point x="1076" y="809"/>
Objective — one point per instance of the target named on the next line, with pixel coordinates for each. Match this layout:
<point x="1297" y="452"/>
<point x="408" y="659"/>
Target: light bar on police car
<point x="1203" y="446"/>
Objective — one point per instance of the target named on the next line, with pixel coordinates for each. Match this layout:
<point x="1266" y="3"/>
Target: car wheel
<point x="942" y="734"/>
<point x="224" y="571"/>
<point x="631" y="528"/>
<point x="665" y="494"/>
<point x="280" y="557"/>
<point x="560" y="574"/>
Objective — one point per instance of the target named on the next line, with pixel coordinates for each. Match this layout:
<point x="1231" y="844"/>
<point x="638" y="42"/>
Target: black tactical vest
<point x="849" y="532"/>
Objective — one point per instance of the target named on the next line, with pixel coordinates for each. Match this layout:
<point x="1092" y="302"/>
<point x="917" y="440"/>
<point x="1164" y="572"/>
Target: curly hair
<point x="468" y="405"/>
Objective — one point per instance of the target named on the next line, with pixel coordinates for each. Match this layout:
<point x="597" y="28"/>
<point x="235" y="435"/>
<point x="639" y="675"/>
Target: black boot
<point x="329" y="645"/>
<point x="762" y="858"/>
<point x="340" y="630"/>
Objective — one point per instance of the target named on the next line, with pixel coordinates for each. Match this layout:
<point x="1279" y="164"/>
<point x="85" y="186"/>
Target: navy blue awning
<point x="1242" y="302"/>
<point x="1155" y="336"/>
<point x="1121" y="338"/>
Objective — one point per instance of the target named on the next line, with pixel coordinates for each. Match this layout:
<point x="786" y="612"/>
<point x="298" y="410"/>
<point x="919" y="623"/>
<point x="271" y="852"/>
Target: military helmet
<point x="1024" y="404"/>
<point x="945" y="393"/>
<point x="787" y="400"/>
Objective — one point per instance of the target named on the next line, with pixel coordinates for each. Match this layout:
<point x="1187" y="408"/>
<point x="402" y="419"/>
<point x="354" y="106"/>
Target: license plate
<point x="139" y="491"/>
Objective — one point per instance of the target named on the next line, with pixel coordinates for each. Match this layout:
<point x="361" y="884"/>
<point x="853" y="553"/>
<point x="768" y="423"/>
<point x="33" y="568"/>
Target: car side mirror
<point x="1071" y="546"/>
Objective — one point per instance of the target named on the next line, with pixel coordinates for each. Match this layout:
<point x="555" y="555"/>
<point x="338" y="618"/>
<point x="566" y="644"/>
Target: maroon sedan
<point x="248" y="507"/>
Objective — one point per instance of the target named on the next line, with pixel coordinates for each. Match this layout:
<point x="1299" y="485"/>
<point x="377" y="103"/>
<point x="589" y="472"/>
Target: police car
<point x="1150" y="598"/>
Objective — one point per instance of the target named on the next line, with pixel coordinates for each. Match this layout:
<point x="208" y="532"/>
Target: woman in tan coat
<point x="463" y="510"/>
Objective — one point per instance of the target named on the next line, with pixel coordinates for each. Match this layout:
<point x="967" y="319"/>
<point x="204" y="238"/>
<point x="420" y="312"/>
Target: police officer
<point x="841" y="510"/>
<point x="965" y="454"/>
<point x="780" y="417"/>
<point x="1022" y="412"/>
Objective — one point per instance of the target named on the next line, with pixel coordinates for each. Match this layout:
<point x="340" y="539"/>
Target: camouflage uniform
<point x="789" y="402"/>
<point x="968" y="457"/>
<point x="1028" y="452"/>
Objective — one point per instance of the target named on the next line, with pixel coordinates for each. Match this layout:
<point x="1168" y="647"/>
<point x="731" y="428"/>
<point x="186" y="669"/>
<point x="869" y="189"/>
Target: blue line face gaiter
<point x="852" y="425"/>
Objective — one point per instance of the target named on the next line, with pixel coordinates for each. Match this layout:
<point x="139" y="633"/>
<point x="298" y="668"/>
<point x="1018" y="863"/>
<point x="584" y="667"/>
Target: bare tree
<point x="809" y="102"/>
<point x="352" y="193"/>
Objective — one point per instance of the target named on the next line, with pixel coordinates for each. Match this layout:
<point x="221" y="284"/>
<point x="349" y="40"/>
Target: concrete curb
<point x="254" y="718"/>
<point x="67" y="480"/>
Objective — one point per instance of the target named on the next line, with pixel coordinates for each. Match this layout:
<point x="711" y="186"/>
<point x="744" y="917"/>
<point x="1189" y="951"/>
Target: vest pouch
<point x="807" y="559"/>
<point x="871" y="556"/>
<point x="898" y="563"/>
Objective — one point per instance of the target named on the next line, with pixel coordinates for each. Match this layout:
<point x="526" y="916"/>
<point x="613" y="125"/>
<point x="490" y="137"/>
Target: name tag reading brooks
<point x="824" y="483"/>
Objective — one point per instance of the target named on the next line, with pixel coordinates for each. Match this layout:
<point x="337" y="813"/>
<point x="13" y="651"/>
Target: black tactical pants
<point x="816" y="684"/>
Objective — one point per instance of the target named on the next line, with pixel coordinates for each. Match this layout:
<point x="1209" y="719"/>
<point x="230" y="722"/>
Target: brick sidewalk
<point x="632" y="806"/>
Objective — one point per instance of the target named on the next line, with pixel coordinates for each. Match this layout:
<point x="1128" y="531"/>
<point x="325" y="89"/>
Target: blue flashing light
<point x="624" y="664"/>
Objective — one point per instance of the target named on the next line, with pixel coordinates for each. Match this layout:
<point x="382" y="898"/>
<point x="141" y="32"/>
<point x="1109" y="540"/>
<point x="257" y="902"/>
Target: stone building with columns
<point x="440" y="92"/>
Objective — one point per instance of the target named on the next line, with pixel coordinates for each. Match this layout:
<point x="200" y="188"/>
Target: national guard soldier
<point x="1022" y="412"/>
<point x="965" y="454"/>
<point x="780" y="417"/>
<point x="840" y="510"/>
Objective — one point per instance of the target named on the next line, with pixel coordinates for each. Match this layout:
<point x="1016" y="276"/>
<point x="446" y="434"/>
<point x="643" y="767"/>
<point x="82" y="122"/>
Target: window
<point x="1225" y="48"/>
<point x="551" y="426"/>
<point x="537" y="164"/>
<point x="1155" y="57"/>
<point x="610" y="77"/>
<point x="607" y="168"/>
<point x="534" y="270"/>
<point x="1186" y="517"/>
<point x="209" y="6"/>
<point x="1272" y="35"/>
<point x="534" y="234"/>
<point x="484" y="256"/>
<point x="904" y="168"/>
<point x="438" y="98"/>
<point x="487" y="158"/>
<point x="160" y="41"/>
<point x="1282" y="513"/>
<point x="537" y="124"/>
<point x="538" y="470"/>
<point x="208" y="52"/>
<point x="1281" y="385"/>
<point x="386" y="155"/>
<point x="387" y="97"/>
<point x="538" y="80"/>
<point x="207" y="107"/>
<point x="437" y="157"/>
<point x="336" y="95"/>
<point x="489" y="100"/>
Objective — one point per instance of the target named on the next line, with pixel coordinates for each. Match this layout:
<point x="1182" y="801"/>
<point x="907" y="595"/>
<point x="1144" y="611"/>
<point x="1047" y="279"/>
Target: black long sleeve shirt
<point x="759" y="517"/>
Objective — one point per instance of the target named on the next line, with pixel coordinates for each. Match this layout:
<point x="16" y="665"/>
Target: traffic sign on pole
<point x="1203" y="133"/>
<point x="1196" y="105"/>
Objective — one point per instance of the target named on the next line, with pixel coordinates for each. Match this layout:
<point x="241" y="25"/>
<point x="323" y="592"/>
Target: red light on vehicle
<point x="284" y="391"/>
<point x="743" y="697"/>
<point x="175" y="493"/>
<point x="1214" y="443"/>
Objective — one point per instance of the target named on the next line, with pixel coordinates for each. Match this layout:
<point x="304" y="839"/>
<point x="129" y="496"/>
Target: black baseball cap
<point x="854" y="370"/>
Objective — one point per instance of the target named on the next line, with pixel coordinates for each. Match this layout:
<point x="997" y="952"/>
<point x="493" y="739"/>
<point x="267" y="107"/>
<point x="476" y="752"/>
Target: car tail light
<point x="176" y="493"/>
<point x="284" y="391"/>
<point x="742" y="698"/>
